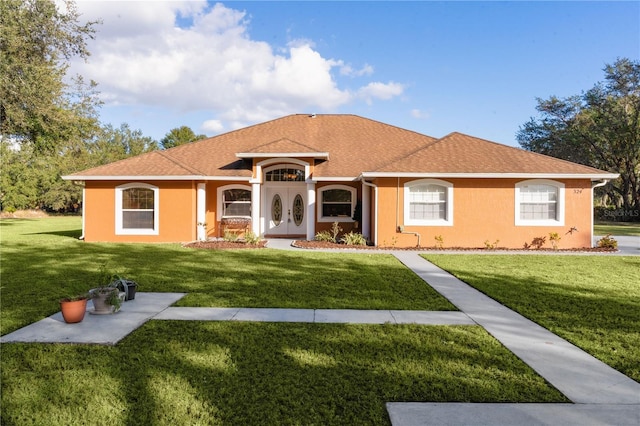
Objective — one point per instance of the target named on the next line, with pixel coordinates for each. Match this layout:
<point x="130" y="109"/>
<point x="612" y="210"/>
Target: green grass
<point x="43" y="261"/>
<point x="592" y="301"/>
<point x="187" y="372"/>
<point x="177" y="372"/>
<point x="617" y="228"/>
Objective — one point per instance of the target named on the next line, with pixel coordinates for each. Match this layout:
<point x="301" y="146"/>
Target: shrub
<point x="439" y="241"/>
<point x="491" y="245"/>
<point x="354" y="239"/>
<point x="538" y="242"/>
<point x="335" y="230"/>
<point x="607" y="242"/>
<point x="554" y="237"/>
<point x="251" y="238"/>
<point x="325" y="236"/>
<point x="230" y="236"/>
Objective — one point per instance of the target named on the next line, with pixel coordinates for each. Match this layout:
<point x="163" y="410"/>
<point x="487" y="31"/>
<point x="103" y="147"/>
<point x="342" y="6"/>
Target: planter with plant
<point x="106" y="300"/>
<point x="73" y="308"/>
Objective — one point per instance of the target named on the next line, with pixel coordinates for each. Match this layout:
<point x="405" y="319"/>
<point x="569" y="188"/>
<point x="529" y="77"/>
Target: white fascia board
<point x="324" y="155"/>
<point x="591" y="176"/>
<point x="335" y="179"/>
<point x="138" y="178"/>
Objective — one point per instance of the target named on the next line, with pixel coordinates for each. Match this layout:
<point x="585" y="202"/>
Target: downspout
<point x="375" y="209"/>
<point x="595" y="185"/>
<point x="400" y="228"/>
<point x="81" y="183"/>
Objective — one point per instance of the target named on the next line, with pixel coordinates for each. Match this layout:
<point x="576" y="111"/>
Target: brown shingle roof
<point x="354" y="144"/>
<point x="283" y="145"/>
<point x="460" y="153"/>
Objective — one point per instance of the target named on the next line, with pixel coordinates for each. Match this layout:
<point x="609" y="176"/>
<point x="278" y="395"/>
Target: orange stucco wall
<point x="483" y="209"/>
<point x="177" y="205"/>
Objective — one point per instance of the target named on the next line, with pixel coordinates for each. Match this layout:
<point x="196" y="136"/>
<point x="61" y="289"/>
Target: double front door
<point x="285" y="210"/>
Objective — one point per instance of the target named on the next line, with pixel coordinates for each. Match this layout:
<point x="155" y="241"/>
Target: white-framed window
<point x="336" y="203"/>
<point x="284" y="174"/>
<point x="539" y="202"/>
<point x="234" y="201"/>
<point x="137" y="209"/>
<point x="428" y="202"/>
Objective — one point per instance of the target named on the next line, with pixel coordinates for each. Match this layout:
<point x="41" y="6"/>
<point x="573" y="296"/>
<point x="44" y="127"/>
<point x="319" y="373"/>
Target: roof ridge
<point x="284" y="138"/>
<point x="179" y="163"/>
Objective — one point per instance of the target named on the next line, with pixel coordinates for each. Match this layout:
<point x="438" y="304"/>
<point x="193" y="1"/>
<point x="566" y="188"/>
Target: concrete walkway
<point x="96" y="329"/>
<point x="336" y="316"/>
<point x="603" y="396"/>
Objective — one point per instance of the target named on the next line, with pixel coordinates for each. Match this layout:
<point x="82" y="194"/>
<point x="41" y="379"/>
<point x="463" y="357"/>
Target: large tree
<point x="30" y="179"/>
<point x="179" y="136"/>
<point x="114" y="144"/>
<point x="599" y="128"/>
<point x="39" y="103"/>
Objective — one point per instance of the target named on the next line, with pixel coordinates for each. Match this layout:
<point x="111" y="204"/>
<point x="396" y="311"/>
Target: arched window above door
<point x="285" y="174"/>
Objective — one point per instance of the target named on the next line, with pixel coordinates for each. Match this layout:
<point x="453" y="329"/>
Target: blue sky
<point x="431" y="67"/>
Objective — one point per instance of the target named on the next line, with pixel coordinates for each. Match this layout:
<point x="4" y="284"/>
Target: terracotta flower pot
<point x="73" y="310"/>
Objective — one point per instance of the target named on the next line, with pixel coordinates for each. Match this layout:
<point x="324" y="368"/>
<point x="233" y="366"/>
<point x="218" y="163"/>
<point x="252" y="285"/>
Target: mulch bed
<point x="311" y="245"/>
<point x="224" y="245"/>
<point x="329" y="245"/>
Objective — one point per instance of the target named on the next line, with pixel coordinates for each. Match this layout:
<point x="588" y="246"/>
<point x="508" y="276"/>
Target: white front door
<point x="286" y="210"/>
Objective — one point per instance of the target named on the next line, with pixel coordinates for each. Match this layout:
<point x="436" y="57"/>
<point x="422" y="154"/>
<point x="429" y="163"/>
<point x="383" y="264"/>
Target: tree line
<point x="49" y="121"/>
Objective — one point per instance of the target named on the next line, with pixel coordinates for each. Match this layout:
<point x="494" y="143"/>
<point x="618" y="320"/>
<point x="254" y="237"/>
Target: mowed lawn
<point x="617" y="228"/>
<point x="189" y="372"/>
<point x="43" y="261"/>
<point x="591" y="301"/>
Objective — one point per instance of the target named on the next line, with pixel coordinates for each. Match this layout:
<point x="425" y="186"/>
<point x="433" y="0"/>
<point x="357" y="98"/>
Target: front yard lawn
<point x="43" y="261"/>
<point x="592" y="301"/>
<point x="221" y="373"/>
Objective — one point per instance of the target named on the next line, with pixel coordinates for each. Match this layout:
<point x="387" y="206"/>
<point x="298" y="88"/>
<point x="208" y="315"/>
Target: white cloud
<point x="377" y="90"/>
<point x="212" y="126"/>
<point x="348" y="70"/>
<point x="142" y="57"/>
<point x="420" y="115"/>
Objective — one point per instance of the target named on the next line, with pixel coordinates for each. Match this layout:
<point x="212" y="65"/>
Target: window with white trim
<point x="137" y="209"/>
<point x="234" y="201"/>
<point x="337" y="202"/>
<point x="428" y="202"/>
<point x="539" y="202"/>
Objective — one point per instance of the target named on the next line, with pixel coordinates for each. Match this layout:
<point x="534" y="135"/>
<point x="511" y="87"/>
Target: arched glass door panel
<point x="276" y="210"/>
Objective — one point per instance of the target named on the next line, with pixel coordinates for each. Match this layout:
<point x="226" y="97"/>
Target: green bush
<point x="608" y="242"/>
<point x="230" y="236"/>
<point x="251" y="238"/>
<point x="325" y="236"/>
<point x="354" y="239"/>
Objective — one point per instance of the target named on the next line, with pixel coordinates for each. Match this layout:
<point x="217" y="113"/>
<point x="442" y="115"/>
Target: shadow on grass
<point x="71" y="233"/>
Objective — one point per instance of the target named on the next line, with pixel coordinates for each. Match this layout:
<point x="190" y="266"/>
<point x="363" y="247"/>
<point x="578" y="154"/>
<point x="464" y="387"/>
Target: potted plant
<point x="357" y="214"/>
<point x="127" y="286"/>
<point x="73" y="308"/>
<point x="106" y="300"/>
